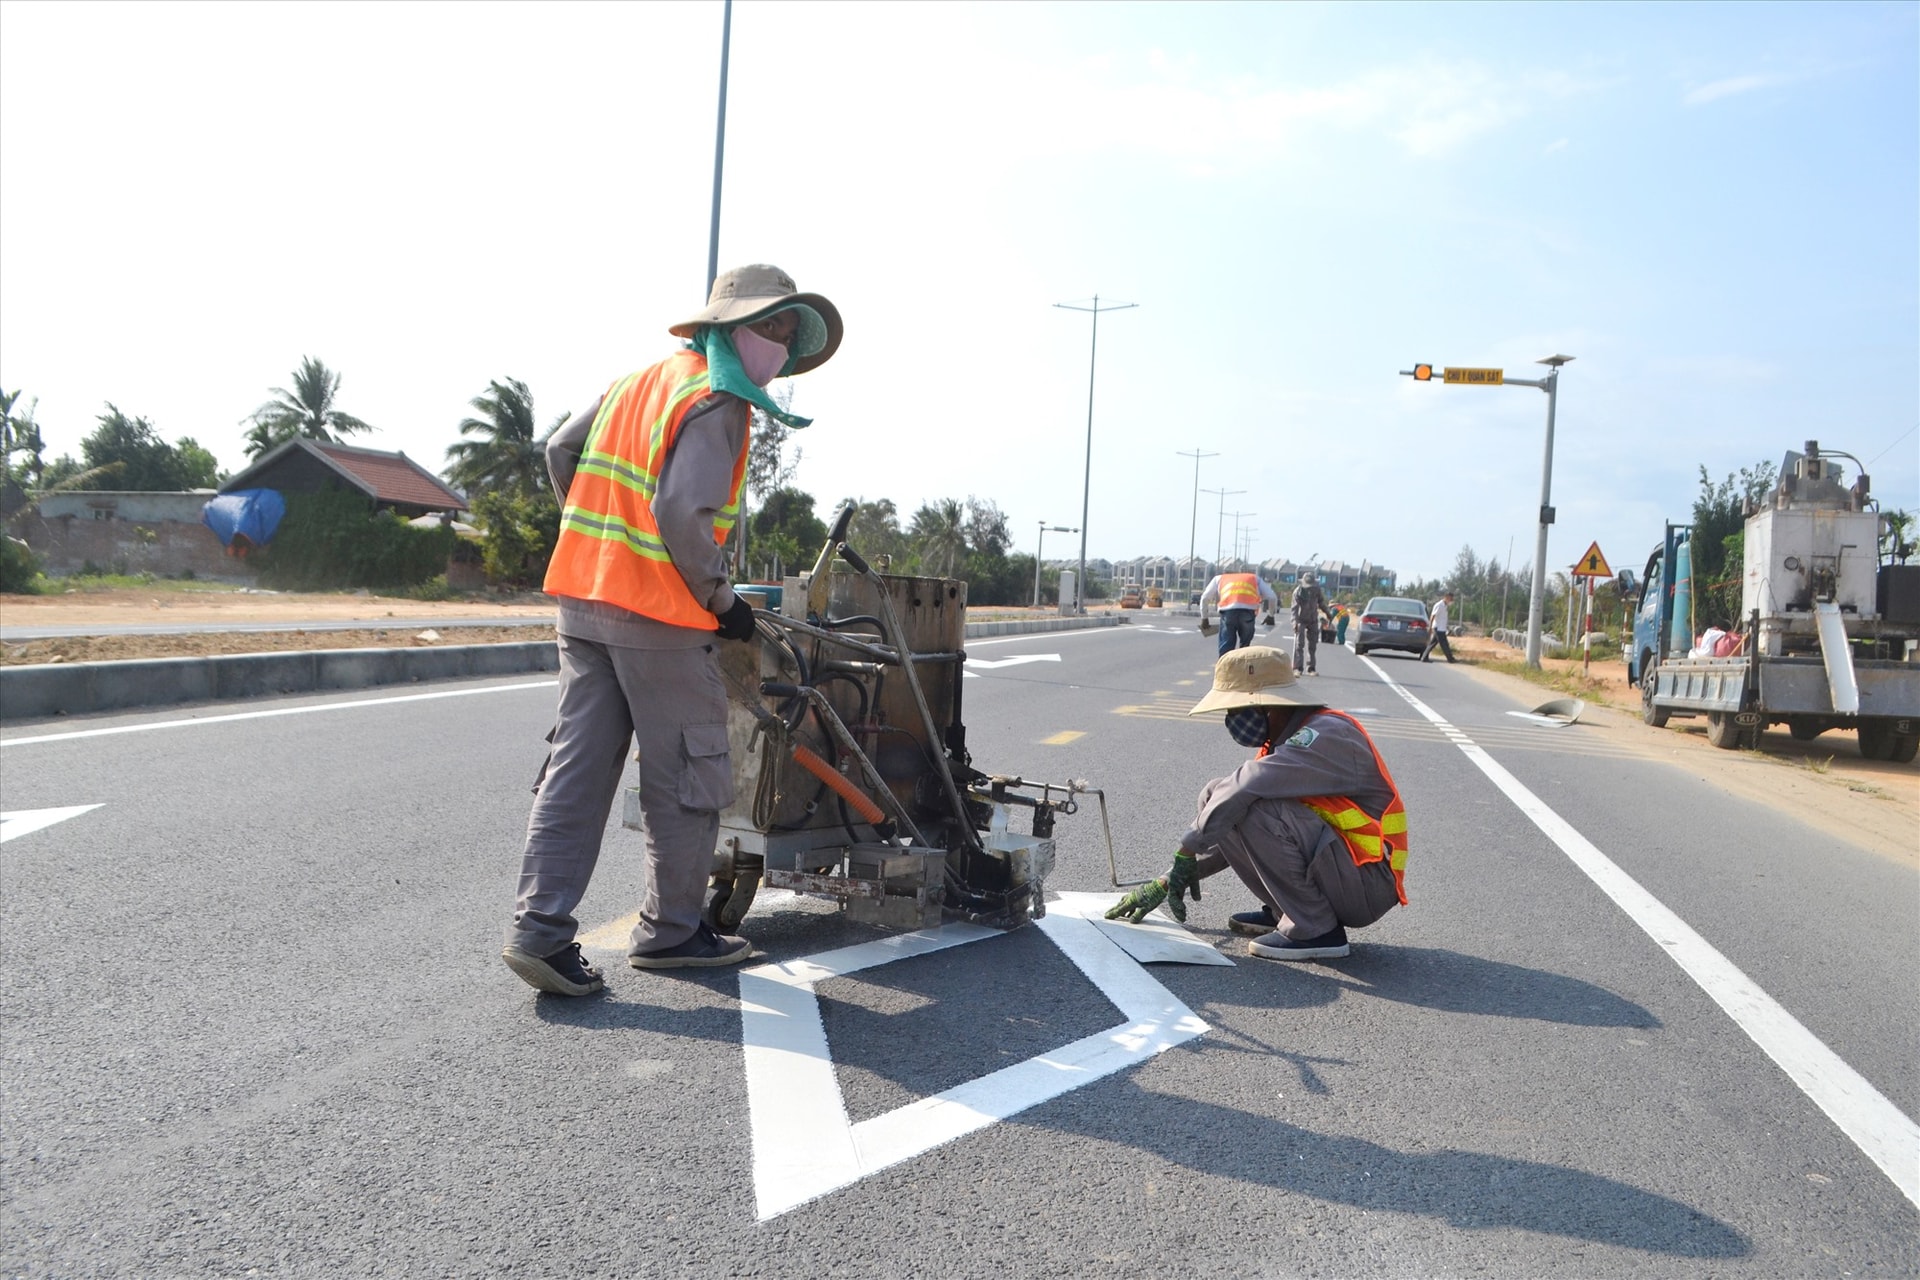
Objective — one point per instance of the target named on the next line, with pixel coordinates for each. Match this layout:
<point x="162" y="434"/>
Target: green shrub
<point x="19" y="567"/>
<point x="521" y="533"/>
<point x="431" y="589"/>
<point x="333" y="540"/>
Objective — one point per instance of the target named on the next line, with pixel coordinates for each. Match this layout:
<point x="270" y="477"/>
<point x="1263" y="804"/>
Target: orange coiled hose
<point x="820" y="769"/>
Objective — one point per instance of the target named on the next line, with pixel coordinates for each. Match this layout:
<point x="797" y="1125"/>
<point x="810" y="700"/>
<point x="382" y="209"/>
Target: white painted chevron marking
<point x="22" y="821"/>
<point x="803" y="1144"/>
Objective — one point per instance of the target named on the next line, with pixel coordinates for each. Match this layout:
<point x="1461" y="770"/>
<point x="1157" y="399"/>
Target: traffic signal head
<point x="1423" y="373"/>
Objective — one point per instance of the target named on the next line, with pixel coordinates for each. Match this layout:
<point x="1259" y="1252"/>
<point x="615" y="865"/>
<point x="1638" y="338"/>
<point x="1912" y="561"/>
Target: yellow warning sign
<point x="1592" y="564"/>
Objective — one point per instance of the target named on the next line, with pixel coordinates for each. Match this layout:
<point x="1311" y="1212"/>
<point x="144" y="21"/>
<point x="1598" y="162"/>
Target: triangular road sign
<point x="1592" y="564"/>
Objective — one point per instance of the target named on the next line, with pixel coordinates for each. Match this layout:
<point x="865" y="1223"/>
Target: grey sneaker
<point x="704" y="950"/>
<point x="564" y="973"/>
<point x="1277" y="946"/>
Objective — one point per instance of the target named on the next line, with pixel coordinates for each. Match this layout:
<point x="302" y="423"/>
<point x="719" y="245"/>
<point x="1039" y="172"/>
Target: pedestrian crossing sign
<point x="1592" y="564"/>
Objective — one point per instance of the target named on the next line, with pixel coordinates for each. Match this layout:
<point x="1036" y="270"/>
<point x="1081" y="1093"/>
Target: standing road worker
<point x="1313" y="825"/>
<point x="1309" y="606"/>
<point x="1239" y="596"/>
<point x="649" y="480"/>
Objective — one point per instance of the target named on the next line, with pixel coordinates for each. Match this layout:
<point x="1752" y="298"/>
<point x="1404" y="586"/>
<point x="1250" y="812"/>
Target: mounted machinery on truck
<point x="851" y="771"/>
<point x="1828" y="635"/>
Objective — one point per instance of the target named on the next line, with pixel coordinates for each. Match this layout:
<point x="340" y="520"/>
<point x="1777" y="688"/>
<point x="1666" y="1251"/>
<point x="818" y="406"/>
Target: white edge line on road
<point x="1862" y="1112"/>
<point x="346" y="705"/>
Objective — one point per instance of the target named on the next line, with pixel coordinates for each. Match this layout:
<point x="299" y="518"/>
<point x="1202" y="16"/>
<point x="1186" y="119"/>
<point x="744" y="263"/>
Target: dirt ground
<point x="1877" y="799"/>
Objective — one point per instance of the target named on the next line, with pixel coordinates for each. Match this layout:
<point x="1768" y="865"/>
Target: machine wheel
<point x="1804" y="730"/>
<point x="1878" y="742"/>
<point x="728" y="901"/>
<point x="1653" y="715"/>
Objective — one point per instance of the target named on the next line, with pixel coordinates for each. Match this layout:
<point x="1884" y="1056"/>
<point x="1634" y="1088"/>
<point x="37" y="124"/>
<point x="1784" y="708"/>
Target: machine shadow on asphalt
<point x="1467" y="1189"/>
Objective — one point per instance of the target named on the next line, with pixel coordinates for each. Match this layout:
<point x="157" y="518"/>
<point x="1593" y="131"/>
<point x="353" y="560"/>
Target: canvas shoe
<point x="1254" y="924"/>
<point x="704" y="950"/>
<point x="564" y="973"/>
<point x="1277" y="946"/>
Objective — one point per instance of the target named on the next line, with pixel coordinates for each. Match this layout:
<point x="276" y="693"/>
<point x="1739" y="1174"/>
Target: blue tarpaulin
<point x="253" y="514"/>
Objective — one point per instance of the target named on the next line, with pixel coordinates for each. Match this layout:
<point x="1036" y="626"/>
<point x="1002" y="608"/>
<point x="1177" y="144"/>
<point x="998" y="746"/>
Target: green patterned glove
<point x="1134" y="907"/>
<point x="1182" y="880"/>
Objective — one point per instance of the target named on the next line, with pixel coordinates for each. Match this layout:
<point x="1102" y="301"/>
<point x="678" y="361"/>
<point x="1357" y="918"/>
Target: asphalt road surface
<point x="255" y="1022"/>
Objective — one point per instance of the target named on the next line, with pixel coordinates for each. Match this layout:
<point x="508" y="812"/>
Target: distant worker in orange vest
<point x="1239" y="596"/>
<point x="1313" y="824"/>
<point x="650" y="481"/>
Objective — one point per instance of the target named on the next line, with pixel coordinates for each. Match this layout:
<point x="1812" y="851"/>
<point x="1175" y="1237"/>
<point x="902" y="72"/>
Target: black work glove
<point x="737" y="622"/>
<point x="1268" y="624"/>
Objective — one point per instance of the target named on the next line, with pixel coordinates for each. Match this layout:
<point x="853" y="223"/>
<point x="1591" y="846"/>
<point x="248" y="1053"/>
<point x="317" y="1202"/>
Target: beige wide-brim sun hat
<point x="1255" y="676"/>
<point x="746" y="294"/>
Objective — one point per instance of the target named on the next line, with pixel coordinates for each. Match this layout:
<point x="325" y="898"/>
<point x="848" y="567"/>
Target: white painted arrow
<point x="22" y="821"/>
<point x="1018" y="659"/>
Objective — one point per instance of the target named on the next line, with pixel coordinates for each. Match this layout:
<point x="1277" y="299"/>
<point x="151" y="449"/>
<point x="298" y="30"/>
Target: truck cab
<point x="1660" y="599"/>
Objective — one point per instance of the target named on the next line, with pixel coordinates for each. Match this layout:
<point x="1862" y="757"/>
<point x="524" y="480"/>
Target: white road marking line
<point x="22" y="821"/>
<point x="1013" y="660"/>
<point x="278" y="711"/>
<point x="1873" y="1123"/>
<point x="803" y="1145"/>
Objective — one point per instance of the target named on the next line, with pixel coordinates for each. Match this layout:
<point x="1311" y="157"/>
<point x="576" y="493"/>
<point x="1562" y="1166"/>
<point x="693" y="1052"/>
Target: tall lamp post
<point x="1536" y="605"/>
<point x="719" y="147"/>
<point x="1193" y="525"/>
<point x="1086" y="491"/>
<point x="1236" y="535"/>
<point x="1045" y="529"/>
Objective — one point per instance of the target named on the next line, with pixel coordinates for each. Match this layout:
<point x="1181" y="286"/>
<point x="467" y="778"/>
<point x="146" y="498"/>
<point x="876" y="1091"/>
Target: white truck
<point x="1828" y="635"/>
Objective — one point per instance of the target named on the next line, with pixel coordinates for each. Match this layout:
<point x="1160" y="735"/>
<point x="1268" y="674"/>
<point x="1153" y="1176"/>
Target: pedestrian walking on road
<point x="1240" y="596"/>
<point x="1309" y="606"/>
<point x="1437" y="628"/>
<point x="649" y="480"/>
<point x="1313" y="825"/>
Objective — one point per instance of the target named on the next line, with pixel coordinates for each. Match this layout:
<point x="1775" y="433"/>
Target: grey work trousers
<point x="1295" y="864"/>
<point x="672" y="704"/>
<point x="1306" y="644"/>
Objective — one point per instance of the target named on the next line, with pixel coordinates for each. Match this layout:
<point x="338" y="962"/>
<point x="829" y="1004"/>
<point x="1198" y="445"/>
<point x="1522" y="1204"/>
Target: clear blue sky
<point x="1714" y="208"/>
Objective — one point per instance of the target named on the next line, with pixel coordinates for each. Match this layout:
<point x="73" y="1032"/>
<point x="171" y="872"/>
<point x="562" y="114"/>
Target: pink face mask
<point x="761" y="359"/>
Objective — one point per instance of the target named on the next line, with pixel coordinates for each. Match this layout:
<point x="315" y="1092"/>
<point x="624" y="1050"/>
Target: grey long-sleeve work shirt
<point x="1315" y="755"/>
<point x="696" y="483"/>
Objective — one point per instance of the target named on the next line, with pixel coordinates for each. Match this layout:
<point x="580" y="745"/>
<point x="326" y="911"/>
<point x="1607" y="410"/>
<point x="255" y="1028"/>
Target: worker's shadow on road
<point x="1469" y="1190"/>
<point x="1453" y="982"/>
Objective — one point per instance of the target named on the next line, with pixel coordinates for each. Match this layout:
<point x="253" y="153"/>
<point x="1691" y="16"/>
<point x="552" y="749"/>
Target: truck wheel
<point x="1876" y="742"/>
<point x="1903" y="747"/>
<point x="1653" y="715"/>
<point x="1804" y="730"/>
<point x="1722" y="732"/>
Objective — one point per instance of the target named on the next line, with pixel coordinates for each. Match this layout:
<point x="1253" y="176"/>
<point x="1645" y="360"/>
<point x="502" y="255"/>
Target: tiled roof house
<point x="391" y="481"/>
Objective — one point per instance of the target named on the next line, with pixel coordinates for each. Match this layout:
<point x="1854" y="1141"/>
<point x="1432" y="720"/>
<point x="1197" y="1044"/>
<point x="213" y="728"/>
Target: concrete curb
<point x="80" y="688"/>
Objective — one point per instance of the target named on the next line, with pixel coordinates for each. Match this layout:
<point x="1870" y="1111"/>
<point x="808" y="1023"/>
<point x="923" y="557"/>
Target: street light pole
<point x="1236" y="536"/>
<point x="719" y="148"/>
<point x="1045" y="528"/>
<point x="1086" y="491"/>
<point x="1536" y="604"/>
<point x="1193" y="525"/>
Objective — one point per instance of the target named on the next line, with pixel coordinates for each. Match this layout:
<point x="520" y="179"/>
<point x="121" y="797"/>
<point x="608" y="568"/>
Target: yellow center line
<point x="1062" y="738"/>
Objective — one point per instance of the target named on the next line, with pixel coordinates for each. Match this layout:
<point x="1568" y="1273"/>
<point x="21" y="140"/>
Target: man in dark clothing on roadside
<point x="1309" y="606"/>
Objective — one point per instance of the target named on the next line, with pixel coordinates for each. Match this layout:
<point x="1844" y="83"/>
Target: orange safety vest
<point x="1239" y="591"/>
<point x="1367" y="838"/>
<point x="610" y="547"/>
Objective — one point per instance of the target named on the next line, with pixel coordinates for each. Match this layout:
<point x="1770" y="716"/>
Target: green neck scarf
<point x="724" y="373"/>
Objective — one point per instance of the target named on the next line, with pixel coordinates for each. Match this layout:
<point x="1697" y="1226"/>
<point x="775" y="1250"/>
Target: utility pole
<point x="1045" y="529"/>
<point x="1236" y="536"/>
<point x="1086" y="490"/>
<point x="1220" y="523"/>
<point x="1193" y="525"/>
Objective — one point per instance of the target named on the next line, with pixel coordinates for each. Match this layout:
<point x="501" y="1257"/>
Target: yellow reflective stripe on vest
<point x="614" y="529"/>
<point x="644" y="478"/>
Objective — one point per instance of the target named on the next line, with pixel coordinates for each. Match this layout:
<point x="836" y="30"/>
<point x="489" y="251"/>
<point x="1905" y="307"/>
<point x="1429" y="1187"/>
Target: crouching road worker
<point x="1313" y="824"/>
<point x="649" y="482"/>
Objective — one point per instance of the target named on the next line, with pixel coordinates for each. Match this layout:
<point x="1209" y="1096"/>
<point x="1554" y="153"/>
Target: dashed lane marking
<point x="1063" y="737"/>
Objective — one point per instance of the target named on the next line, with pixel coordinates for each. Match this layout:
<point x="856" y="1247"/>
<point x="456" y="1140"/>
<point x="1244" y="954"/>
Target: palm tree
<point x="504" y="451"/>
<point x="940" y="531"/>
<point x="307" y="410"/>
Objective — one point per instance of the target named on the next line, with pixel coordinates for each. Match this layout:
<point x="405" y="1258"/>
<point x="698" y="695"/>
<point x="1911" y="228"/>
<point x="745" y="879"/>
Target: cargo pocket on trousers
<point x="707" y="780"/>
